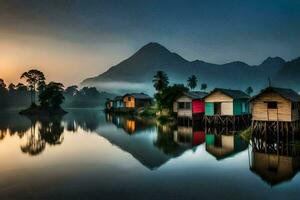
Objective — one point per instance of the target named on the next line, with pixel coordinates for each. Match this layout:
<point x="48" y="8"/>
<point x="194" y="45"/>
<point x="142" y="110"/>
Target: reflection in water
<point x="130" y="124"/>
<point x="43" y="131"/>
<point x="222" y="144"/>
<point x="36" y="132"/>
<point x="154" y="145"/>
<point x="150" y="143"/>
<point x="189" y="136"/>
<point x="275" y="161"/>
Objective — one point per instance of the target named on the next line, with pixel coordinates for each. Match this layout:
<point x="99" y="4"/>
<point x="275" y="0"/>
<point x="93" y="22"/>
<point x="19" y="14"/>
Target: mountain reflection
<point x="146" y="140"/>
<point x="274" y="160"/>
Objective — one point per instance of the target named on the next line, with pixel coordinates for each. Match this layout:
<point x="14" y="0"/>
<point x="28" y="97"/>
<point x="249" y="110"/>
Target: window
<point x="272" y="105"/>
<point x="184" y="105"/>
<point x="129" y="98"/>
<point x="188" y="105"/>
<point x="181" y="105"/>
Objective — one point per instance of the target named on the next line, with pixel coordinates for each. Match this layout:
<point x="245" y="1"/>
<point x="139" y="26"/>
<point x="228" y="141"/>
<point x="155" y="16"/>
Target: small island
<point x="50" y="96"/>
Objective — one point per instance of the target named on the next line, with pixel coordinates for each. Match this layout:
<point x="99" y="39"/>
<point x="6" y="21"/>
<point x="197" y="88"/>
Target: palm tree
<point x="192" y="82"/>
<point x="203" y="86"/>
<point x="160" y="81"/>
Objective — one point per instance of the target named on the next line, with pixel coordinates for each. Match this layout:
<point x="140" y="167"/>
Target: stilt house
<point x="276" y="104"/>
<point x="226" y="102"/>
<point x="189" y="104"/>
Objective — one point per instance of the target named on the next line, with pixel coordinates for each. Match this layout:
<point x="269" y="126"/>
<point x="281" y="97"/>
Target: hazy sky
<point x="71" y="40"/>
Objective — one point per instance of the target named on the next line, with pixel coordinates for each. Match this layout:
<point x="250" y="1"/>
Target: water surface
<point x="89" y="155"/>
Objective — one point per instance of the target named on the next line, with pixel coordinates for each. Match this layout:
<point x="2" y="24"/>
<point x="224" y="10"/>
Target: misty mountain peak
<point x="153" y="47"/>
<point x="273" y="61"/>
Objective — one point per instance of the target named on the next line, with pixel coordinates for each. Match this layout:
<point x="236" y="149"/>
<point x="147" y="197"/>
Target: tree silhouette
<point x="35" y="144"/>
<point x="160" y="81"/>
<point x="52" y="95"/>
<point x="192" y="82"/>
<point x="203" y="86"/>
<point x="51" y="131"/>
<point x="11" y="87"/>
<point x="249" y="90"/>
<point x="169" y="95"/>
<point x="35" y="80"/>
<point x="2" y="84"/>
<point x="72" y="90"/>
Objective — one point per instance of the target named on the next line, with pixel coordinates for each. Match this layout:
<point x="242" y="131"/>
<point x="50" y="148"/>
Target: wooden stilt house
<point x="275" y="110"/>
<point x="189" y="104"/>
<point x="226" y="102"/>
<point x="276" y="104"/>
<point x="227" y="107"/>
<point x="136" y="100"/>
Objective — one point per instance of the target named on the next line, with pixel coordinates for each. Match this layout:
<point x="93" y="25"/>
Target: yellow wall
<point x="129" y="102"/>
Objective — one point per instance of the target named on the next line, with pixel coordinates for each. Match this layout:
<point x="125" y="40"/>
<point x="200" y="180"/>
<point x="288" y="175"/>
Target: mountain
<point x="138" y="70"/>
<point x="288" y="75"/>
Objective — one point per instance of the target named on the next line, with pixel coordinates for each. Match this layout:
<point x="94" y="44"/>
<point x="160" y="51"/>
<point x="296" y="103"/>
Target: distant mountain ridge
<point x="141" y="66"/>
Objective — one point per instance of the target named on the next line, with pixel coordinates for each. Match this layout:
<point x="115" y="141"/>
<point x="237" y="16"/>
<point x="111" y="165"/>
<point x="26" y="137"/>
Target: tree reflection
<point x="43" y="131"/>
<point x="34" y="144"/>
<point x="51" y="131"/>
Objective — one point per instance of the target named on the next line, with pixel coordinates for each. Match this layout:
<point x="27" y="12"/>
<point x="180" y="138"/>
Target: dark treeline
<point x="20" y="96"/>
<point x="14" y="95"/>
<point x="85" y="97"/>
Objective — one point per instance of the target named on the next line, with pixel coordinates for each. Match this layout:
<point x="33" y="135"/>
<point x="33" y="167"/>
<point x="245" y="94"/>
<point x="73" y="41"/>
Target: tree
<point x="35" y="80"/>
<point x="169" y="94"/>
<point x="192" y="82"/>
<point x="21" y="87"/>
<point x="3" y="94"/>
<point x="71" y="90"/>
<point x="52" y="95"/>
<point x="2" y="84"/>
<point x="203" y="86"/>
<point x="11" y="87"/>
<point x="249" y="90"/>
<point x="160" y="81"/>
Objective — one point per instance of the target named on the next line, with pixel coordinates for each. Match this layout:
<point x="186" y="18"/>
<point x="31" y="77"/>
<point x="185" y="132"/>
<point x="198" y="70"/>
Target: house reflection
<point x="222" y="144"/>
<point x="275" y="161"/>
<point x="130" y="124"/>
<point x="151" y="144"/>
<point x="189" y="136"/>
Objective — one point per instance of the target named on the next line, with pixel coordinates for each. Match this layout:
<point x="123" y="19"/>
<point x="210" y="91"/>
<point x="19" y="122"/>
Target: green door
<point x="209" y="109"/>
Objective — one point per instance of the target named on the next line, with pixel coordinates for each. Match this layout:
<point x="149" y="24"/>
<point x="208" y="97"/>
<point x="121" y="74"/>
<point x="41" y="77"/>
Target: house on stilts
<point x="275" y="110"/>
<point x="189" y="106"/>
<point x="227" y="107"/>
<point x="136" y="100"/>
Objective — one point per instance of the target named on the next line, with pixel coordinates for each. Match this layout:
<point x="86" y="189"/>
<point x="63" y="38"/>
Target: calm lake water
<point x="89" y="155"/>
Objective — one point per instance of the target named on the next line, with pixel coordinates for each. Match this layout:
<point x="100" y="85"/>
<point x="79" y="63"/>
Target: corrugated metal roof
<point x="235" y="94"/>
<point x="286" y="93"/>
<point x="196" y="94"/>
